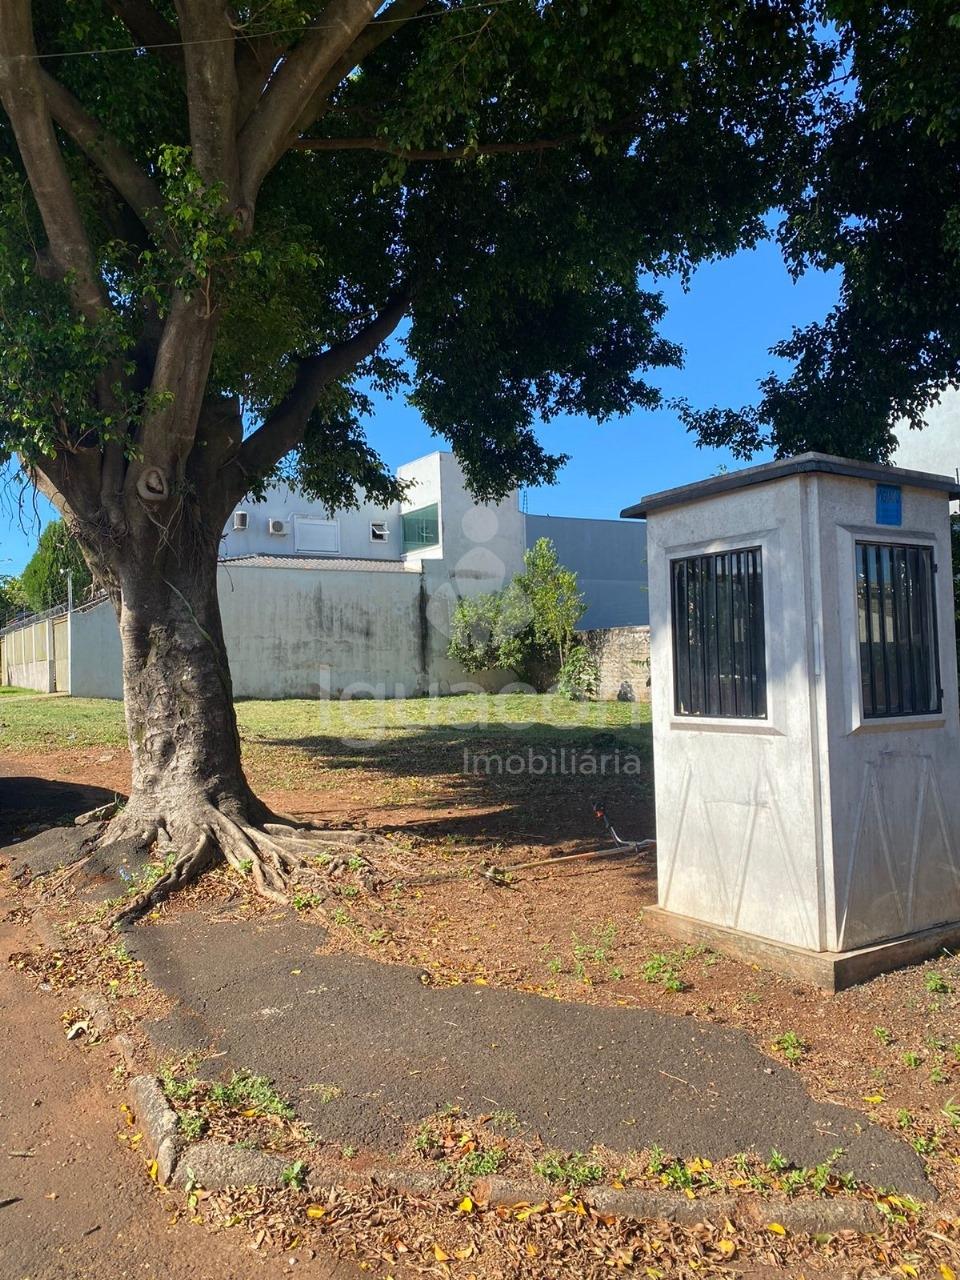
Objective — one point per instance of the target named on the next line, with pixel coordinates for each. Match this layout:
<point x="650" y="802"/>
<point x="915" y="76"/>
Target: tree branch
<point x="381" y="29"/>
<point x="114" y="162"/>
<point x="209" y="62"/>
<point x="149" y="28"/>
<point x="284" y="428"/>
<point x="265" y="135"/>
<point x="22" y="94"/>
<point x="435" y="153"/>
<point x="256" y="58"/>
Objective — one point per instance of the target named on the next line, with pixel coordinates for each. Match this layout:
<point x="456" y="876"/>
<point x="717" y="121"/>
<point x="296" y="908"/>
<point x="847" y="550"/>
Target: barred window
<point x="719" y="653"/>
<point x="896" y="606"/>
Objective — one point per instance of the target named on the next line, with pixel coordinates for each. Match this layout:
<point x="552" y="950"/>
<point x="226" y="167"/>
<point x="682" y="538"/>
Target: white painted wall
<point x="28" y="657"/>
<point x="892" y="805"/>
<point x="737" y="830"/>
<point x="285" y="504"/>
<point x="813" y="826"/>
<point x="96" y="660"/>
<point x="937" y="447"/>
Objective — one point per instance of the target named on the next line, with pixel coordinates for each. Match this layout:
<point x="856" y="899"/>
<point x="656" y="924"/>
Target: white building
<point x="937" y="447"/>
<point x="438" y="520"/>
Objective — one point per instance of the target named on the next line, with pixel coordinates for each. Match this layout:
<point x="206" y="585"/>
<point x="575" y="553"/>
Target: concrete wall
<point x="738" y="831"/>
<point x="96" y="665"/>
<point x="610" y="560"/>
<point x="310" y="633"/>
<point x="623" y="660"/>
<point x="28" y="657"/>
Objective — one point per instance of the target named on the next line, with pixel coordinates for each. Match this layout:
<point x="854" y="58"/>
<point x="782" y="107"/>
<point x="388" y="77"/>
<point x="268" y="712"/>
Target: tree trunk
<point x="189" y="796"/>
<point x="178" y="698"/>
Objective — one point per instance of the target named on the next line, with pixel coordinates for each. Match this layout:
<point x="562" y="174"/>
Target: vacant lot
<point x="575" y="930"/>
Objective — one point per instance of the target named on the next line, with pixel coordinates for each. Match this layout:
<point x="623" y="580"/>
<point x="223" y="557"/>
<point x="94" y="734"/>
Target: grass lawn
<point x="13" y="688"/>
<point x="512" y="766"/>
<point x="91" y="722"/>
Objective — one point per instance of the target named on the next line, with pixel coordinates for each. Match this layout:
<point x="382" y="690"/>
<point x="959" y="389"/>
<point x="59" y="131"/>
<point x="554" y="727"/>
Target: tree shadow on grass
<point x="534" y="783"/>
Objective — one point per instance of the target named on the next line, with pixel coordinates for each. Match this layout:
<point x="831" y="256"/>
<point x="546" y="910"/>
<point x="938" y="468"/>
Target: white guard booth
<point x="805" y="721"/>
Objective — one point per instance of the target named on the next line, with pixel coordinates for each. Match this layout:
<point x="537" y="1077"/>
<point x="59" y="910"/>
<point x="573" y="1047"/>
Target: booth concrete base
<point x="833" y="970"/>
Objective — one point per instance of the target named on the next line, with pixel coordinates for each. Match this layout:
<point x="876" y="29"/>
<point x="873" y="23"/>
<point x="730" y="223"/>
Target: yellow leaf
<point x="525" y="1213"/>
<point x="296" y="971"/>
<point x="465" y="1205"/>
<point x="439" y="1254"/>
<point x="908" y="1270"/>
<point x="250" y="1111"/>
<point x="617" y="1185"/>
<point x="532" y="1250"/>
<point x="948" y="1273"/>
<point x="315" y="1211"/>
<point x="465" y="1253"/>
<point x="727" y="1248"/>
<point x="480" y="982"/>
<point x="777" y="1228"/>
<point x="873" y="1098"/>
<point x="152" y="1169"/>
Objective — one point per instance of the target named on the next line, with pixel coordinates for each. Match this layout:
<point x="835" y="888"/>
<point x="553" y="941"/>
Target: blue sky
<point x="733" y="312"/>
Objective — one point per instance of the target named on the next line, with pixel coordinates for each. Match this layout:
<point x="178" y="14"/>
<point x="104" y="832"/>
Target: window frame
<point x="863" y="543"/>
<point x="303" y="523"/>
<point x="382" y="537"/>
<point x="415" y="547"/>
<point x="755" y="652"/>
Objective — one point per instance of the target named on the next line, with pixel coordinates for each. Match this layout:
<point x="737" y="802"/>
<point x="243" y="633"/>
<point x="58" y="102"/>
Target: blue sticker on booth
<point x="889" y="504"/>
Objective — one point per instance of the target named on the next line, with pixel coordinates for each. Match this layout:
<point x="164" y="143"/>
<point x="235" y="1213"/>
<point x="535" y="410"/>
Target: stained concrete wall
<point x="310" y="633"/>
<point x="610" y="560"/>
<point x="623" y="662"/>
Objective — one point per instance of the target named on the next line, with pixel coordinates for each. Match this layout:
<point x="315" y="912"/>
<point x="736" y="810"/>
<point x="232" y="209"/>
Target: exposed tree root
<point x="276" y="856"/>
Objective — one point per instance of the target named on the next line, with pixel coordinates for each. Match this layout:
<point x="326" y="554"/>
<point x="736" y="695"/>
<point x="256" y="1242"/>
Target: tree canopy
<point x="878" y="200"/>
<point x="308" y="174"/>
<point x="43" y="582"/>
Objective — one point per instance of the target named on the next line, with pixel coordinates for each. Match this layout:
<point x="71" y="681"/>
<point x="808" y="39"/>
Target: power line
<point x="279" y="31"/>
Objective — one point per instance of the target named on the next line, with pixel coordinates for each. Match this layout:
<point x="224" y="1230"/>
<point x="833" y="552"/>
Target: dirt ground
<point x="74" y="1205"/>
<point x="890" y="1048"/>
<point x="576" y="931"/>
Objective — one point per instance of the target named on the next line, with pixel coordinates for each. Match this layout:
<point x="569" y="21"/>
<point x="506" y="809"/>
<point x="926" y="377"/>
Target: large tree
<point x="878" y="200"/>
<point x="212" y="218"/>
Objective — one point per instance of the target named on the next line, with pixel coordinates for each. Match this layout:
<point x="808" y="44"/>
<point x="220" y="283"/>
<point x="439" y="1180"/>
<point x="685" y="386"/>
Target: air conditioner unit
<point x="277" y="526"/>
<point x="240" y="519"/>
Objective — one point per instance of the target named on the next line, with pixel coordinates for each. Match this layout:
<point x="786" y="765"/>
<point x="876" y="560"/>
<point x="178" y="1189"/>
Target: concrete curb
<point x="215" y="1165"/>
<point x="158" y="1123"/>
